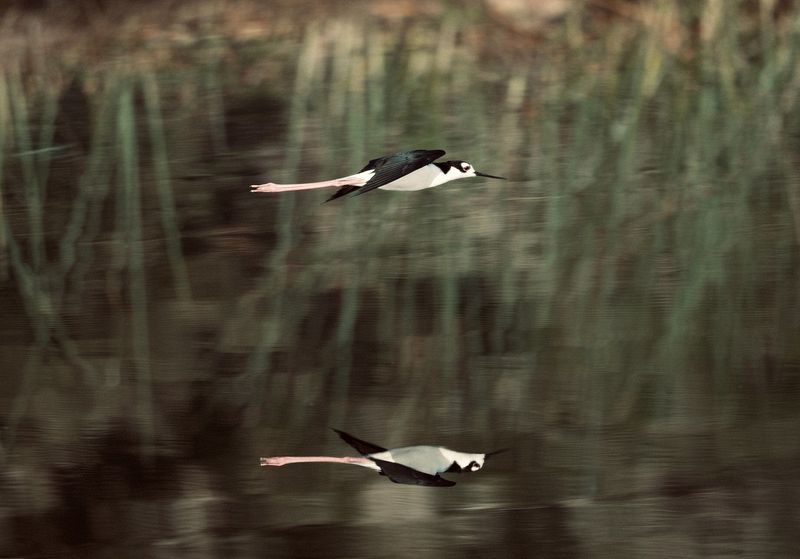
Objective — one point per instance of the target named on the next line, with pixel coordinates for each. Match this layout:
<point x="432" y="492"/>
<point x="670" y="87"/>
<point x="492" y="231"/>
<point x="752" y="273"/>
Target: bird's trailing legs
<point x="352" y="180"/>
<point x="283" y="460"/>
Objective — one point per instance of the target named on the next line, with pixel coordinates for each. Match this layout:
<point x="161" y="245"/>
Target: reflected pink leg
<point x="283" y="460"/>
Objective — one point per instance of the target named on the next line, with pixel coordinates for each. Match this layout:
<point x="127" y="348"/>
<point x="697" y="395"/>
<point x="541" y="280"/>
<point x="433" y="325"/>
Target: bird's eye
<point x="474" y="466"/>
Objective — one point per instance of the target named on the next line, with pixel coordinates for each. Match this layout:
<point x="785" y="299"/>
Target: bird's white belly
<point x="418" y="180"/>
<point x="427" y="459"/>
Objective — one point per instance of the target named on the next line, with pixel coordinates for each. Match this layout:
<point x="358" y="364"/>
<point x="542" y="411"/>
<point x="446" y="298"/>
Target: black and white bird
<point x="410" y="465"/>
<point x="407" y="170"/>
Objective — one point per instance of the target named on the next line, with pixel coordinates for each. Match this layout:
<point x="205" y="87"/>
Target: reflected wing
<point x="409" y="476"/>
<point x="361" y="446"/>
<point x="391" y="168"/>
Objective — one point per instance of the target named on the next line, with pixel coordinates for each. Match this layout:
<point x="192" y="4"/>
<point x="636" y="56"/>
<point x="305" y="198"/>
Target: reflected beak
<point x="477" y="174"/>
<point x="488" y="454"/>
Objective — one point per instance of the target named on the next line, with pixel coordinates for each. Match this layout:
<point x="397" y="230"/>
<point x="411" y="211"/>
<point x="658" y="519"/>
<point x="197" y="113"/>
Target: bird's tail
<point x="343" y="191"/>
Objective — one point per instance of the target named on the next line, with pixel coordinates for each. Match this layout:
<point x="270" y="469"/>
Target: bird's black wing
<point x="374" y="163"/>
<point x="409" y="476"/>
<point x="361" y="446"/>
<point x="389" y="168"/>
<point x="392" y="167"/>
<point x="343" y="191"/>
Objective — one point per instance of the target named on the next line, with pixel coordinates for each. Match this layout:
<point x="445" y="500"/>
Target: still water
<point x="623" y="313"/>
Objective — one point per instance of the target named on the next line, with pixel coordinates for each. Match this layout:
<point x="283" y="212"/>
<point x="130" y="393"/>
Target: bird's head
<point x="465" y="170"/>
<point x="466" y="462"/>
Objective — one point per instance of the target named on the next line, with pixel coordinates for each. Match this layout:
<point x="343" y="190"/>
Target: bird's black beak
<point x="488" y="454"/>
<point x="477" y="174"/>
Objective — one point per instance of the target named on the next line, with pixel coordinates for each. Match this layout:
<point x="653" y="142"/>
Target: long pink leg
<point x="283" y="460"/>
<point x="354" y="180"/>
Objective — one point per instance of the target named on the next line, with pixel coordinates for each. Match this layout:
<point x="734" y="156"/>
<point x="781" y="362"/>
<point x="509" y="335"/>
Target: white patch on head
<point x="464" y="170"/>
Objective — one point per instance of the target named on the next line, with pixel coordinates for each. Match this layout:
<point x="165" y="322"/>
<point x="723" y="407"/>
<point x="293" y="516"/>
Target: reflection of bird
<point x="411" y="465"/>
<point x="407" y="170"/>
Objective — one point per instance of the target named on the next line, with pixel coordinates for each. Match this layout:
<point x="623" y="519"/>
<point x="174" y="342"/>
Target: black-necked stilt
<point x="407" y="170"/>
<point x="411" y="465"/>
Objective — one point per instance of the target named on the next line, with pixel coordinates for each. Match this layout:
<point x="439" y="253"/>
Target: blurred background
<point x="624" y="312"/>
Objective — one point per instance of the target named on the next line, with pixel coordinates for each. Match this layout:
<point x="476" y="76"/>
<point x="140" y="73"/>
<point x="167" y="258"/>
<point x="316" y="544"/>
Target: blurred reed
<point x="131" y="255"/>
<point x="161" y="169"/>
<point x="5" y="124"/>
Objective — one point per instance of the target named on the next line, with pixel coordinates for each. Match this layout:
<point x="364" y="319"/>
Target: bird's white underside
<point x="428" y="459"/>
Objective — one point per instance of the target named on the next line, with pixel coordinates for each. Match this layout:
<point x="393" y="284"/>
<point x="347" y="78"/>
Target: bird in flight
<point x="407" y="170"/>
<point x="409" y="465"/>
